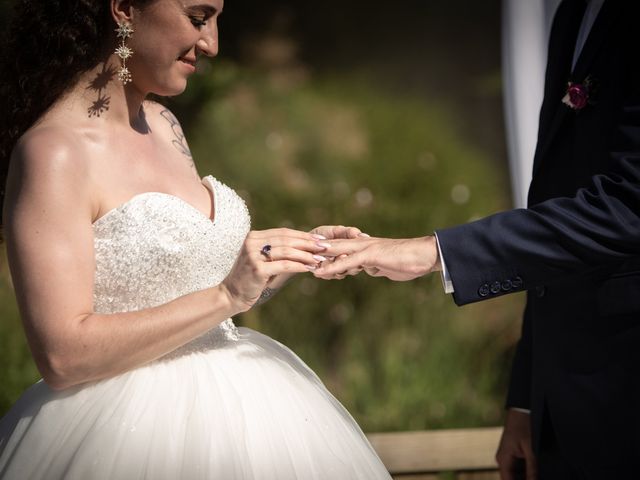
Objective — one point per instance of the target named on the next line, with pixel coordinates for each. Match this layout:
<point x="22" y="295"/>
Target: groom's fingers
<point x="531" y="466"/>
<point x="512" y="469"/>
<point x="372" y="271"/>
<point x="340" y="266"/>
<point x="350" y="246"/>
<point x="517" y="463"/>
<point x="337" y="232"/>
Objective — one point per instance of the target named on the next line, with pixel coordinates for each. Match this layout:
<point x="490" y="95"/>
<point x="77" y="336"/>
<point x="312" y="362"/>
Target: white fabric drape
<point x="525" y="32"/>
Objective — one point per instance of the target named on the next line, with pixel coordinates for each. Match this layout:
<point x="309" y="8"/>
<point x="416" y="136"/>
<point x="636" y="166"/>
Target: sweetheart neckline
<point x="207" y="181"/>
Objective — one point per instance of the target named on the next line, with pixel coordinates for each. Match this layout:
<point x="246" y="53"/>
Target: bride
<point x="127" y="267"/>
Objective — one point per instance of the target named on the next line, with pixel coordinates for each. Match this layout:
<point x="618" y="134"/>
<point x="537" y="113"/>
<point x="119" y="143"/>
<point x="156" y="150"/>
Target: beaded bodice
<point x="157" y="247"/>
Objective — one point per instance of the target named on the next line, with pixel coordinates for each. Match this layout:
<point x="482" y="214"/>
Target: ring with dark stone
<point x="265" y="251"/>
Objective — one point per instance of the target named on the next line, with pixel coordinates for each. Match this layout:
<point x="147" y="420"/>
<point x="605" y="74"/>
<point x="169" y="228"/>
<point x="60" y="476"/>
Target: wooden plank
<point x="437" y="450"/>
<point x="424" y="476"/>
<point x="478" y="476"/>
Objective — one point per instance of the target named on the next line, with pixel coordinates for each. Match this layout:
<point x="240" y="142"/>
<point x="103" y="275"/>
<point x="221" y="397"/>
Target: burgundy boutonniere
<point x="579" y="95"/>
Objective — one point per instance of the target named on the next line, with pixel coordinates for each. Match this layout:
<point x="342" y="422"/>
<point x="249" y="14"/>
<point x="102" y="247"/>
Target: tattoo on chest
<point x="179" y="141"/>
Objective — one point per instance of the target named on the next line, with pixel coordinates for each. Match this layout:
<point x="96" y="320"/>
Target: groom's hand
<point x="515" y="454"/>
<point x="331" y="232"/>
<point x="396" y="259"/>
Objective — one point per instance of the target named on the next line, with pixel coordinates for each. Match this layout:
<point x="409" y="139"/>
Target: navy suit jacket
<point x="576" y="248"/>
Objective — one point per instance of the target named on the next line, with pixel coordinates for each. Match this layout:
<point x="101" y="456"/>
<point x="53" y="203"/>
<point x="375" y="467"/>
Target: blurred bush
<point x="305" y="150"/>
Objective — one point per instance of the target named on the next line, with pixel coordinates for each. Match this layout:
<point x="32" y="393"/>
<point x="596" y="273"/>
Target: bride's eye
<point x="198" y="21"/>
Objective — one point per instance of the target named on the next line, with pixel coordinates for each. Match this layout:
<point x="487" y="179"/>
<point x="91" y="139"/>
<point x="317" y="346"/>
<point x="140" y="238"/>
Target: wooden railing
<point x="423" y="455"/>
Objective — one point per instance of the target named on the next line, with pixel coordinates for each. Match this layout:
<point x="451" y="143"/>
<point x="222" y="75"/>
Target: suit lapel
<point x="557" y="110"/>
<point x="561" y="46"/>
<point x="603" y="23"/>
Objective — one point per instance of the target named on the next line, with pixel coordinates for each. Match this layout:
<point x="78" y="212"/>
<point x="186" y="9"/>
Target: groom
<point x="574" y="395"/>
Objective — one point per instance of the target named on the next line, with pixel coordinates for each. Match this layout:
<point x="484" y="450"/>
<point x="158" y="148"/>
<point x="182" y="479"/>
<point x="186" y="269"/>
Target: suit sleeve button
<point x="517" y="282"/>
<point x="484" y="291"/>
<point x="506" y="285"/>
<point x="495" y="287"/>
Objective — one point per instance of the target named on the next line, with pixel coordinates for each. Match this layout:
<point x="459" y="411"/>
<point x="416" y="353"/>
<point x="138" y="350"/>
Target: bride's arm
<point x="49" y="212"/>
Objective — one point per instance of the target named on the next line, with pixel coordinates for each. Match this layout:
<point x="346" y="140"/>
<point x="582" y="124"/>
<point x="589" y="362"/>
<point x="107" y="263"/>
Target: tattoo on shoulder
<point x="179" y="141"/>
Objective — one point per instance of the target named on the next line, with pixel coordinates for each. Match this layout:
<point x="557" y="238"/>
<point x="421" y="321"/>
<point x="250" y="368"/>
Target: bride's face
<point x="169" y="36"/>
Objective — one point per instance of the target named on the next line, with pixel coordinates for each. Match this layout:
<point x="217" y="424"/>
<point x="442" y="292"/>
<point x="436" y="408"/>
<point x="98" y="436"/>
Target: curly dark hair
<point x="48" y="45"/>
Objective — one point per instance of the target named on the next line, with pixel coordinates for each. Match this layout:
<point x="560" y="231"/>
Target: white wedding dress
<point x="233" y="404"/>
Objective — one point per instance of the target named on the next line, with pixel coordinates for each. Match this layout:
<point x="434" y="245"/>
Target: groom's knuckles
<point x="335" y="268"/>
<point x="343" y="247"/>
<point x="347" y="232"/>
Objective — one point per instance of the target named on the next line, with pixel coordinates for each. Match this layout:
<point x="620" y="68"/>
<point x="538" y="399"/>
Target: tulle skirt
<point x="247" y="408"/>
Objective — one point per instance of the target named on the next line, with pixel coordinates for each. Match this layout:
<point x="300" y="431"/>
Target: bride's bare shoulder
<point x="48" y="159"/>
<point x="47" y="146"/>
<point x="49" y="149"/>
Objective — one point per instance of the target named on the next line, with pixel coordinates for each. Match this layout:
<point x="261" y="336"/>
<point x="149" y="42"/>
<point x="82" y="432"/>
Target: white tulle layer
<point x="250" y="409"/>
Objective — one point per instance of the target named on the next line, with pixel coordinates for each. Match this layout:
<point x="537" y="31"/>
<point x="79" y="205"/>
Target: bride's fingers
<point x="302" y="244"/>
<point x="285" y="266"/>
<point x="295" y="255"/>
<point x="283" y="233"/>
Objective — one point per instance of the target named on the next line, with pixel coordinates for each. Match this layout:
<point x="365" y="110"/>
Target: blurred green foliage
<point x="305" y="150"/>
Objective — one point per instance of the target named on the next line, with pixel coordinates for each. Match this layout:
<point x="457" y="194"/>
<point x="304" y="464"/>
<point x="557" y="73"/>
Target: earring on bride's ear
<point x="124" y="31"/>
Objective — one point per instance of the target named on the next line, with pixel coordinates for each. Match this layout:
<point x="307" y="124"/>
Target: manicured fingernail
<point x="319" y="258"/>
<point x="364" y="235"/>
<point x="318" y="237"/>
<point x="323" y="244"/>
<point x="311" y="268"/>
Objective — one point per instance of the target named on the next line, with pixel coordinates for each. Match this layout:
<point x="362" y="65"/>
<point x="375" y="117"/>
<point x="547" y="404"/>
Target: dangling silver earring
<point x="124" y="32"/>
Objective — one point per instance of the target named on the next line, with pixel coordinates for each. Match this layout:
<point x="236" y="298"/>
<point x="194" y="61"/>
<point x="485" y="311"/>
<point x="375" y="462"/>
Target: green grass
<point x="17" y="370"/>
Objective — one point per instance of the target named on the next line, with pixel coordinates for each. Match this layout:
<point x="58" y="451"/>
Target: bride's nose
<point x="208" y="42"/>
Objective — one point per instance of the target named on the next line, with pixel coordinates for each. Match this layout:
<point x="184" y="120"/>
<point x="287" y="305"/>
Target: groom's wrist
<point x="437" y="264"/>
<point x="429" y="259"/>
<point x="447" y="283"/>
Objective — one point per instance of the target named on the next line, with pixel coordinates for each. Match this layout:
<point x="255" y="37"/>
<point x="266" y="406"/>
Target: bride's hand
<point x="266" y="254"/>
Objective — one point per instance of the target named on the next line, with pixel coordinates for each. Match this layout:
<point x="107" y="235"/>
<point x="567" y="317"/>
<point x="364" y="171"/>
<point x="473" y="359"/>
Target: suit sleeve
<point x="525" y="248"/>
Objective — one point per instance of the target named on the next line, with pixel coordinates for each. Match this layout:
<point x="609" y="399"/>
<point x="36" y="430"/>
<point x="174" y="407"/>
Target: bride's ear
<point x="121" y="11"/>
